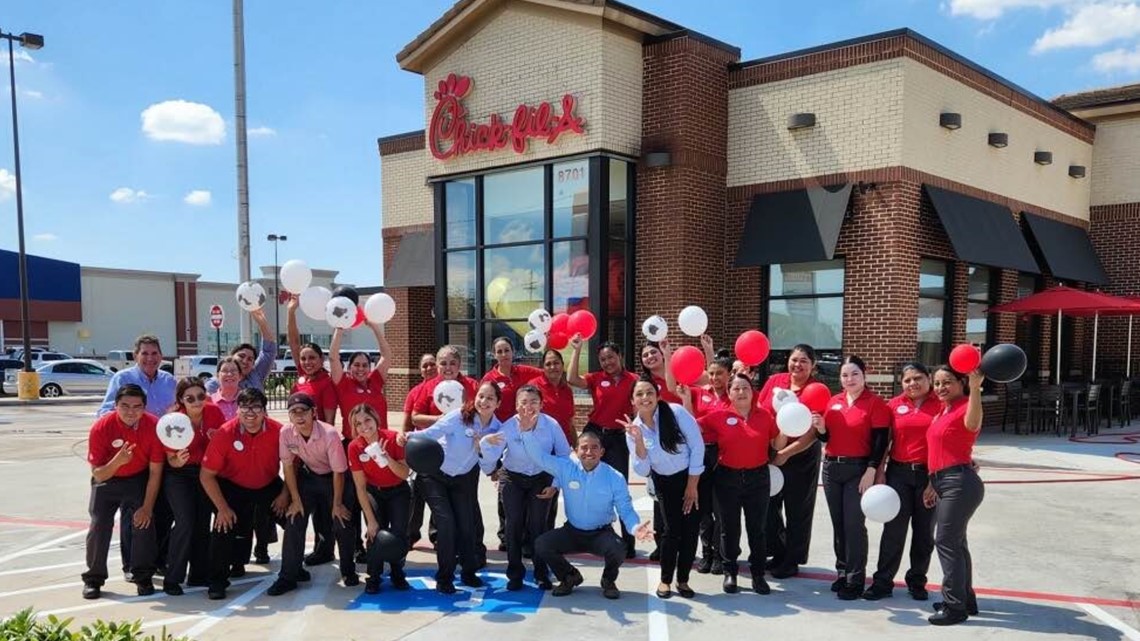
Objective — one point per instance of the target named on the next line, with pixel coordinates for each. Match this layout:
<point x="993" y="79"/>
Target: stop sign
<point x="217" y="316"/>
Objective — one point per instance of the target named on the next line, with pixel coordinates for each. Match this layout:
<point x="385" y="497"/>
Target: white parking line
<point x="216" y="616"/>
<point x="105" y="602"/>
<point x="49" y="588"/>
<point x="658" y="620"/>
<point x="42" y="546"/>
<point x="40" y="568"/>
<point x="1128" y="631"/>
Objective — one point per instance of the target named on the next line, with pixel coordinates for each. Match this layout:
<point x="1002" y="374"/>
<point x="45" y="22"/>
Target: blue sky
<point x="119" y="174"/>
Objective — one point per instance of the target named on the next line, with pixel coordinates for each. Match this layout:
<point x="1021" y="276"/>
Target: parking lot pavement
<point x="1054" y="546"/>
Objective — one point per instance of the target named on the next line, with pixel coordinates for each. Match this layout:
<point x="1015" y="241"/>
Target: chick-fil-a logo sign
<point x="451" y="134"/>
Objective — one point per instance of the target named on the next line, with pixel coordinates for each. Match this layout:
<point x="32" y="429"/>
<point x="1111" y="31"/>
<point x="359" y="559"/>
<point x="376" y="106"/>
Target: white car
<point x="71" y="376"/>
<point x="202" y="366"/>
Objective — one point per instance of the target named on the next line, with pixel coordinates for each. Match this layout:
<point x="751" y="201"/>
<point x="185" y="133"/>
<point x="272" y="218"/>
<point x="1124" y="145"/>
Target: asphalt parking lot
<point x="1055" y="548"/>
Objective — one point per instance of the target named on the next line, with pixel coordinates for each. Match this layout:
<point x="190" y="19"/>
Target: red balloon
<point x="582" y="322"/>
<point x="815" y="397"/>
<point x="557" y="340"/>
<point x="965" y="358"/>
<point x="687" y="364"/>
<point x="752" y="347"/>
<point x="360" y="317"/>
<point x="558" y="324"/>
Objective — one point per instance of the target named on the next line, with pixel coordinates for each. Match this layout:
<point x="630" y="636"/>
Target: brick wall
<point x="406" y="198"/>
<point x="1115" y="230"/>
<point x="412" y="332"/>
<point x="1116" y="161"/>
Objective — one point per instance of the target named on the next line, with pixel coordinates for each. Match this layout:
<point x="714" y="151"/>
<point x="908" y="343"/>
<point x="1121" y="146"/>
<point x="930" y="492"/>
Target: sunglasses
<point x="194" y="398"/>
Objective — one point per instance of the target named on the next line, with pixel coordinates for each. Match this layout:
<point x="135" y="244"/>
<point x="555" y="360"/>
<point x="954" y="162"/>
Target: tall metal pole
<point x="25" y="324"/>
<point x="276" y="295"/>
<point x="242" y="159"/>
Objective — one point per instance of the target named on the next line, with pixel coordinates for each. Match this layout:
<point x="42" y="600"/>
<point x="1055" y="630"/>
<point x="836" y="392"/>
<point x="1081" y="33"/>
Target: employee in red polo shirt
<point x="378" y="473"/>
<point x="449" y="364"/>
<point x="312" y="377"/>
<point x="912" y="412"/>
<point x="126" y="474"/>
<point x="956" y="488"/>
<point x="239" y="473"/>
<point x="700" y="401"/>
<point x="428" y="371"/>
<point x="612" y="391"/>
<point x="856" y="429"/>
<point x="655" y="360"/>
<point x="364" y="380"/>
<point x="743" y="435"/>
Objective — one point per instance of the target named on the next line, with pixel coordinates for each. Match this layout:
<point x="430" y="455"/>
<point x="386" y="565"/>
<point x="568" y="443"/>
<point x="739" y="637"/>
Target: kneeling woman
<point x="453" y="491"/>
<point x="668" y="447"/>
<point x="743" y="435"/>
<point x="379" y="474"/>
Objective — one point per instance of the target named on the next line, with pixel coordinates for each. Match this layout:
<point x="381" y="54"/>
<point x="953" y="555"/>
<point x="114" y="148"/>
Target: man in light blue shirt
<point x="158" y="385"/>
<point x="592" y="493"/>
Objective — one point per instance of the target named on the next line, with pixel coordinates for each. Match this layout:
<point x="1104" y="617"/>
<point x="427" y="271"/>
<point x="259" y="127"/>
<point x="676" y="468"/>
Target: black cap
<point x="300" y="398"/>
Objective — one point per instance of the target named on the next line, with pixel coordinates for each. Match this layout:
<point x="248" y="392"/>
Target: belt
<point x="846" y="459"/>
<point x="305" y="469"/>
<point x="914" y="467"/>
<point x="961" y="467"/>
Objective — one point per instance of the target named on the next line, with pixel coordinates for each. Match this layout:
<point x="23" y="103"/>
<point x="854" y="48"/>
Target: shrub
<point x="25" y="626"/>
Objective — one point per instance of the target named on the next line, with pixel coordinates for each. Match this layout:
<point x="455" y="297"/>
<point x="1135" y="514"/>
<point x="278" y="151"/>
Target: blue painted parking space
<point x="493" y="597"/>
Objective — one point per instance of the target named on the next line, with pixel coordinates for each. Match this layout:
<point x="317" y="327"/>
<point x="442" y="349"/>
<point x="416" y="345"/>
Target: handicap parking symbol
<point x="492" y="597"/>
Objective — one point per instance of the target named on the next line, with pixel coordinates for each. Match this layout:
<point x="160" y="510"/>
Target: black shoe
<point x="717" y="567"/>
<point x="838" y="584"/>
<point x="173" y="589"/>
<point x="705" y="565"/>
<point x="361" y="557"/>
<point x="918" y="593"/>
<point x="91" y="591"/>
<point x="372" y="586"/>
<point x="948" y="617"/>
<point x="544" y="584"/>
<point x="630" y="553"/>
<point x="261" y="558"/>
<point x="128" y="576"/>
<point x="730" y="583"/>
<point x="216" y="592"/>
<point x="318" y="558"/>
<point x="445" y="587"/>
<point x="772" y="564"/>
<point x="281" y="586"/>
<point x="850" y="592"/>
<point x="667" y="593"/>
<point x="303" y="576"/>
<point x="514" y="585"/>
<point x="399" y="582"/>
<point x="785" y="571"/>
<point x="877" y="592"/>
<point x="145" y="588"/>
<point x="471" y="580"/>
<point x="610" y="590"/>
<point x="351" y="581"/>
<point x="655" y="555"/>
<point x="237" y="571"/>
<point x="971" y="608"/>
<point x="568" y="584"/>
<point x="759" y="585"/>
<point x="686" y="591"/>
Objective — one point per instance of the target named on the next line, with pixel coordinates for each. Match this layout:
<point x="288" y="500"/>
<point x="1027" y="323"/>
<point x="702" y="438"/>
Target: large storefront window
<point x="806" y="305"/>
<point x="522" y="239"/>
<point x="978" y="300"/>
<point x="932" y="312"/>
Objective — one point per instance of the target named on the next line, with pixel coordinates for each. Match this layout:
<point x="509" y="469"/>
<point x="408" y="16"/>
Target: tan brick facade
<point x="406" y="196"/>
<point x="1115" y="170"/>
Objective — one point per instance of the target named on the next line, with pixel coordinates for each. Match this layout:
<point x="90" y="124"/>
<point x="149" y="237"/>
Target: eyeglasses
<point x="251" y="409"/>
<point x="193" y="398"/>
<point x="299" y="411"/>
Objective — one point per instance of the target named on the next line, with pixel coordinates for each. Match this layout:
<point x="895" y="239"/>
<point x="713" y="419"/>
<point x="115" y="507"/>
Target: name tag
<point x="239" y="446"/>
<point x="837" y="407"/>
<point x="117" y="442"/>
<point x="732" y="420"/>
<point x="903" y="409"/>
<point x="605" y="383"/>
<point x="364" y="458"/>
<point x="574" y="485"/>
<point x="293" y="449"/>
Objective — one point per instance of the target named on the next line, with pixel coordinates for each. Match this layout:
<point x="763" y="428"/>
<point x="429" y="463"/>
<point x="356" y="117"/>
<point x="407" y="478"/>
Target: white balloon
<point x="250" y="296"/>
<point x="655" y="328"/>
<point x="448" y="396"/>
<point x="794" y="419"/>
<point x="534" y="341"/>
<point x="340" y="312"/>
<point x="693" y="320"/>
<point x="781" y="397"/>
<point x="313" y="301"/>
<point x="175" y="431"/>
<point x="880" y="503"/>
<point x="539" y="319"/>
<point x="380" y="308"/>
<point x="295" y="276"/>
<point x="775" y="480"/>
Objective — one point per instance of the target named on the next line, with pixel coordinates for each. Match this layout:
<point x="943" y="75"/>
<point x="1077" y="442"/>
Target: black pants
<point x="452" y="500"/>
<point x="264" y="528"/>
<point x="163" y="524"/>
<point x="616" y="456"/>
<point x="848" y="525"/>
<point x="789" y="534"/>
<point x="112" y="495"/>
<point x="502" y="510"/>
<point x="910" y="483"/>
<point x="744" y="490"/>
<point x="416" y="517"/>
<point x="317" y="496"/>
<point x="679" y="531"/>
<point x="960" y="492"/>
<point x="390" y="505"/>
<point x="553" y="514"/>
<point x="710" y="524"/>
<point x="233" y="547"/>
<point x="526" y="519"/>
<point x="190" y="535"/>
<point x="553" y="547"/>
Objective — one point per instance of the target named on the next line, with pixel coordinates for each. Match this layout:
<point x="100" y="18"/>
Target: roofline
<point x="418" y="133"/>
<point x="675" y="30"/>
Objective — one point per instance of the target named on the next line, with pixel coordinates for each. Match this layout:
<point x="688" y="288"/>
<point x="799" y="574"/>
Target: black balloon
<point x="424" y="455"/>
<point x="347" y="292"/>
<point x="390" y="547"/>
<point x="1004" y="363"/>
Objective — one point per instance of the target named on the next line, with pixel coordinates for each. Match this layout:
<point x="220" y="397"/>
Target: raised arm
<point x="623" y="502"/>
<point x="336" y="368"/>
<point x="291" y="330"/>
<point x="264" y="363"/>
<point x="385" y="360"/>
<point x="572" y="377"/>
<point x="974" y="406"/>
<point x="550" y="463"/>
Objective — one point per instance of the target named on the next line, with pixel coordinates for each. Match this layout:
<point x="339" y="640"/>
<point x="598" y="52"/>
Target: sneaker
<point x="918" y="592"/>
<point x="303" y="576"/>
<point x="948" y="617"/>
<point x="610" y="590"/>
<point x="785" y="571"/>
<point x="877" y="592"/>
<point x="216" y="592"/>
<point x="471" y="580"/>
<point x="759" y="585"/>
<point x="261" y="557"/>
<point x="318" y="558"/>
<point x="729" y="585"/>
<point x="705" y="565"/>
<point x="514" y="585"/>
<point x="237" y="571"/>
<point x="445" y="587"/>
<point x="717" y="567"/>
<point x="172" y="589"/>
<point x="281" y="586"/>
<point x="544" y="584"/>
<point x="838" y="584"/>
<point x="849" y="592"/>
<point x="400" y="582"/>
<point x="351" y="581"/>
<point x="971" y="608"/>
<point x="92" y="591"/>
<point x="567" y="585"/>
<point x="372" y="586"/>
<point x="145" y="588"/>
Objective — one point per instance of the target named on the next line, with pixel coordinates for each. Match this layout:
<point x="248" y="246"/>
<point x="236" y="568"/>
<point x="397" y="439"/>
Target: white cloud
<point x="991" y="9"/>
<point x="20" y="56"/>
<point x="182" y="121"/>
<point x="32" y="93"/>
<point x="47" y="238"/>
<point x="1093" y="24"/>
<point x="264" y="132"/>
<point x="7" y="184"/>
<point x="126" y="195"/>
<point x="1126" y="60"/>
<point x="198" y="198"/>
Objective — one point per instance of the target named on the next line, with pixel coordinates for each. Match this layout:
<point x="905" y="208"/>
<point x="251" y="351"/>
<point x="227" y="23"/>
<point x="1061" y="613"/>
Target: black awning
<point x="982" y="233"/>
<point x="414" y="262"/>
<point x="1066" y="250"/>
<point x="795" y="226"/>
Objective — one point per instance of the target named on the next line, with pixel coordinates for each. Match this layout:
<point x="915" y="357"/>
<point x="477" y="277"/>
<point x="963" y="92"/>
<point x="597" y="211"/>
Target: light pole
<point x="27" y="378"/>
<point x="274" y="238"/>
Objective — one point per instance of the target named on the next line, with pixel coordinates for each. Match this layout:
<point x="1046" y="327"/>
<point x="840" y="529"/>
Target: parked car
<point x="118" y="359"/>
<point x="39" y="357"/>
<point x="71" y="376"/>
<point x="201" y="365"/>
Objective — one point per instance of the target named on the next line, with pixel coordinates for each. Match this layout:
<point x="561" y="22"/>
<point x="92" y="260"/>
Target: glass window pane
<point x="462" y="335"/>
<point x="460" y="285"/>
<point x="931" y="321"/>
<point x="513" y="330"/>
<point x="815" y="321"/>
<point x="619" y="183"/>
<point x="976" y="321"/>
<point x="979" y="283"/>
<point x="1026" y="285"/>
<point x="460" y="212"/>
<point x="932" y="278"/>
<point x="571" y="198"/>
<point x="514" y="281"/>
<point x="571" y="276"/>
<point x="800" y="279"/>
<point x="513" y="206"/>
<point x="615" y="278"/>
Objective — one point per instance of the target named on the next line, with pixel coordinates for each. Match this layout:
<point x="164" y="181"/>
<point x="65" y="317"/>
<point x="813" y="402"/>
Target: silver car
<point x="72" y="376"/>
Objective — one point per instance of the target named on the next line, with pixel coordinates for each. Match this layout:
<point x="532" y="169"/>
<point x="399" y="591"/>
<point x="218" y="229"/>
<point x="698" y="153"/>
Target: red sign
<point x="450" y="134"/>
<point x="217" y="316"/>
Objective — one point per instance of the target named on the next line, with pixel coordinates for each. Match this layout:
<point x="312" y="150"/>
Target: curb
<point x="13" y="401"/>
